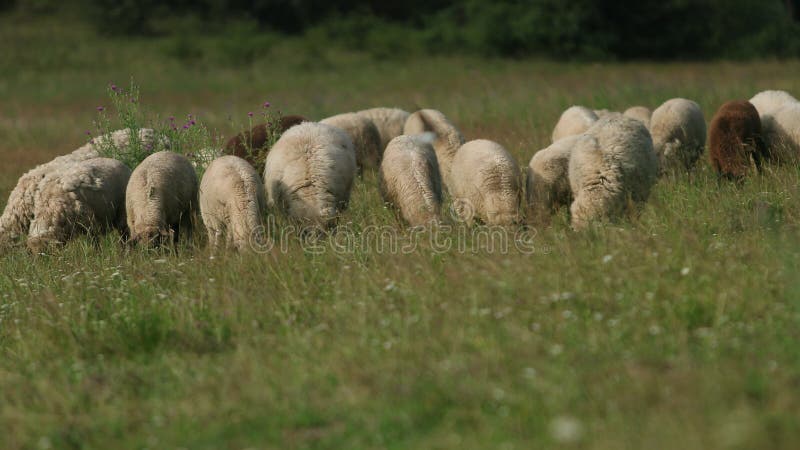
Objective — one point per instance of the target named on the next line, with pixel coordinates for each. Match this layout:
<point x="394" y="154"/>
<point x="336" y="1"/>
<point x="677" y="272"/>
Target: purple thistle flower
<point x="250" y="114"/>
<point x="192" y="122"/>
<point x="171" y="118"/>
<point x="186" y="127"/>
<point x="266" y="104"/>
<point x="113" y="87"/>
<point x="88" y="133"/>
<point x="100" y="108"/>
<point x="91" y="141"/>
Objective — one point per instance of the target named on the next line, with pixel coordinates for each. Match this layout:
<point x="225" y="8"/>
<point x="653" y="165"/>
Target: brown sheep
<point x="247" y="144"/>
<point x="734" y="138"/>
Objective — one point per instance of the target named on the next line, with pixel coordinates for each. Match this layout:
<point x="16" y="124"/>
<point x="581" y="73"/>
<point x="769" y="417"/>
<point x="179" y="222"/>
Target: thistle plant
<point x="191" y="138"/>
<point x="258" y="139"/>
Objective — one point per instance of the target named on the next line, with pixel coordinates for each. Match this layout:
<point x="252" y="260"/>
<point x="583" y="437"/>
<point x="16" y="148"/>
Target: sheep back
<point x="639" y="113"/>
<point x="486" y="184"/>
<point x="448" y="139"/>
<point x="309" y="173"/>
<point x="548" y="178"/>
<point x="161" y="198"/>
<point x="388" y="121"/>
<point x="574" y="120"/>
<point x="678" y="130"/>
<point x="410" y="181"/>
<point x="735" y="137"/>
<point x="232" y="202"/>
<point x="365" y="137"/>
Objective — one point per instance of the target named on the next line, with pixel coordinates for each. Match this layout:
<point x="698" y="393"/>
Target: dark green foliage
<point x="576" y="29"/>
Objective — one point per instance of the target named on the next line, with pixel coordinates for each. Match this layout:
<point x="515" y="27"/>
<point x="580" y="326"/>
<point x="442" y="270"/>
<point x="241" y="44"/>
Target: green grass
<point x="676" y="330"/>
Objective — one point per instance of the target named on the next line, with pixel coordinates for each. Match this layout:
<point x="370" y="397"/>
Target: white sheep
<point x="548" y="178"/>
<point x="781" y="130"/>
<point x="767" y="102"/>
<point x="309" y="173"/>
<point x="79" y="198"/>
<point x="612" y="165"/>
<point x="232" y="203"/>
<point x="16" y="218"/>
<point x="365" y="137"/>
<point x="410" y="181"/>
<point x="678" y="130"/>
<point x="446" y="143"/>
<point x="161" y="198"/>
<point x="388" y="121"/>
<point x="640" y="113"/>
<point x="574" y="120"/>
<point x="486" y="184"/>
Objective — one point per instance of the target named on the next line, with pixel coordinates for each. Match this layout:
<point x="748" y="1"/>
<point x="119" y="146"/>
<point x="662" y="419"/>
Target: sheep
<point x="86" y="197"/>
<point x="250" y="144"/>
<point x="548" y="178"/>
<point x="16" y="218"/>
<point x="309" y="173"/>
<point x="409" y="180"/>
<point x="486" y="184"/>
<point x="388" y="121"/>
<point x="735" y="138"/>
<point x="678" y="130"/>
<point x="447" y="142"/>
<point x="781" y="132"/>
<point x="161" y="198"/>
<point x="611" y="166"/>
<point x="365" y="137"/>
<point x="232" y="203"/>
<point x="639" y="113"/>
<point x="600" y="113"/>
<point x="767" y="102"/>
<point x="574" y="120"/>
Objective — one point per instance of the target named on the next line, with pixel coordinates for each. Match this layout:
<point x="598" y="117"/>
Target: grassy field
<point x="677" y="330"/>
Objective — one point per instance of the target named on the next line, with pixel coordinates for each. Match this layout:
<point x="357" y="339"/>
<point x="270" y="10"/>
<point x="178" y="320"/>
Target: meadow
<point x="679" y="329"/>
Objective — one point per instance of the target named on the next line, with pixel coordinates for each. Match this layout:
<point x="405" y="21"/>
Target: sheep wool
<point x="16" y="218"/>
<point x="734" y="138"/>
<point x="232" y="203"/>
<point x="767" y="102"/>
<point x="365" y="137"/>
<point x="388" y="121"/>
<point x="448" y="139"/>
<point x="678" y="130"/>
<point x="781" y="131"/>
<point x="309" y="173"/>
<point x="574" y="120"/>
<point x="612" y="165"/>
<point x="410" y="181"/>
<point x="639" y="113"/>
<point x="486" y="184"/>
<point x="80" y="198"/>
<point x="161" y="198"/>
<point x="548" y="178"/>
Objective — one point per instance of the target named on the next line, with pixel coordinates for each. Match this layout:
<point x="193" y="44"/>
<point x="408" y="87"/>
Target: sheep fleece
<point x="548" y="177"/>
<point x="735" y="136"/>
<point x="161" y="196"/>
<point x="448" y="138"/>
<point x="364" y="134"/>
<point x="678" y="130"/>
<point x="410" y="181"/>
<point x="612" y="163"/>
<point x="309" y="173"/>
<point x="574" y="120"/>
<point x="232" y="202"/>
<point x="388" y="121"/>
<point x="79" y="198"/>
<point x="486" y="184"/>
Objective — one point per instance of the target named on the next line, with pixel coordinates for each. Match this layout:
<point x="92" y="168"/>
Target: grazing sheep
<point x="388" y="121"/>
<point x="600" y="113"/>
<point x="781" y="132"/>
<point x="639" y="113"/>
<point x="161" y="198"/>
<point x="365" y="137"/>
<point x="678" y="130"/>
<point x="85" y="197"/>
<point x="767" y="102"/>
<point x="447" y="142"/>
<point x="18" y="213"/>
<point x="612" y="165"/>
<point x="410" y="181"/>
<point x="575" y="120"/>
<point x="486" y="184"/>
<point x="232" y="203"/>
<point x="548" y="178"/>
<point x="248" y="144"/>
<point x="309" y="173"/>
<point x="734" y="138"/>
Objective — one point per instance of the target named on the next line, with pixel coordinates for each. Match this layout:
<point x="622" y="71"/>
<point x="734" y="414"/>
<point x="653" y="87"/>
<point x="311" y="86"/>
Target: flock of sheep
<point x="600" y="163"/>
